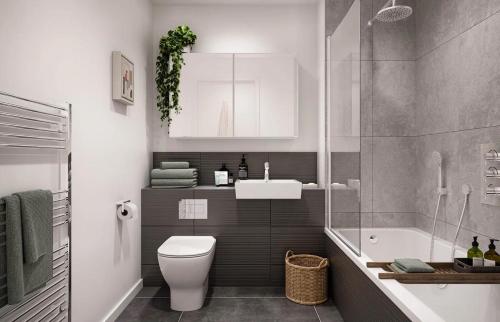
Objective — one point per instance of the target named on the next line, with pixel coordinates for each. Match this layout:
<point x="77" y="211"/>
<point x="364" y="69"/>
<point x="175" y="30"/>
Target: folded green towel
<point x="174" y="173"/>
<point x="396" y="269"/>
<point x="174" y="182"/>
<point x="413" y="265"/>
<point x="29" y="242"/>
<point x="174" y="165"/>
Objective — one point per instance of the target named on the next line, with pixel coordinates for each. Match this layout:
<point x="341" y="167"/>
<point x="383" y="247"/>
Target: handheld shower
<point x="391" y="12"/>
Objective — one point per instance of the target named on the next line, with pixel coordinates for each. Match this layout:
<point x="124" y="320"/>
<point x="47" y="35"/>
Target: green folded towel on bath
<point x="174" y="165"/>
<point x="412" y="265"/>
<point x="174" y="173"/>
<point x="29" y="242"/>
<point x="174" y="182"/>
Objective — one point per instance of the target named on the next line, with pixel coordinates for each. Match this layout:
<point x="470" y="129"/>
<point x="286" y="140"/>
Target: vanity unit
<point x="252" y="235"/>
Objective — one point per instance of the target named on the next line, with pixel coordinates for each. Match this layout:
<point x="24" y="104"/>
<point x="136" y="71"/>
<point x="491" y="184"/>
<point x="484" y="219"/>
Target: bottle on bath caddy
<point x="491" y="257"/>
<point x="475" y="253"/>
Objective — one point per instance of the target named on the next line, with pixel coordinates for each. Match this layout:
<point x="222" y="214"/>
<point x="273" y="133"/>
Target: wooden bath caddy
<point x="444" y="274"/>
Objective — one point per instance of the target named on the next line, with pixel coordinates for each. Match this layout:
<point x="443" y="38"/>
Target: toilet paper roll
<point x="127" y="212"/>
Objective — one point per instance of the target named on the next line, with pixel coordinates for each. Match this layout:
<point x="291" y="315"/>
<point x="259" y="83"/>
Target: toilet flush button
<point x="200" y="206"/>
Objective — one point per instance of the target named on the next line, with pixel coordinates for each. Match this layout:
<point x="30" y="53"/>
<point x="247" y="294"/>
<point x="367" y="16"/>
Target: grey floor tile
<point x="149" y="310"/>
<point x="154" y="291"/>
<point x="251" y="310"/>
<point x="246" y="292"/>
<point x="328" y="312"/>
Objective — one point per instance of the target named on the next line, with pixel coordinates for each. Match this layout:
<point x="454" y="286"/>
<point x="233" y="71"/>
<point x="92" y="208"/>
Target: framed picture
<point x="123" y="79"/>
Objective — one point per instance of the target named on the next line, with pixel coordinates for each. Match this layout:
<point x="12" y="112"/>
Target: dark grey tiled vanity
<point x="252" y="235"/>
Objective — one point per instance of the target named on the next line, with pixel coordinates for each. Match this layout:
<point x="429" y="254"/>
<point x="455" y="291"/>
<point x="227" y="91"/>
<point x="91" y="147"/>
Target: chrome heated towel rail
<point x="29" y="128"/>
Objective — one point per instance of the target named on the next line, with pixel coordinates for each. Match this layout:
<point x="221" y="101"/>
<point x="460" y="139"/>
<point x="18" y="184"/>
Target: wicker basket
<point x="306" y="278"/>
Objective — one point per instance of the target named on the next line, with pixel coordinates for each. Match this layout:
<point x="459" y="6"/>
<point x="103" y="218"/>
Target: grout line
<point x="314" y="306"/>
<point x="180" y="316"/>
<point x="456" y="36"/>
<point x="434" y="133"/>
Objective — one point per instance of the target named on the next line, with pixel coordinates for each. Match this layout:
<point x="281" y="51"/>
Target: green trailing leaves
<point x="168" y="70"/>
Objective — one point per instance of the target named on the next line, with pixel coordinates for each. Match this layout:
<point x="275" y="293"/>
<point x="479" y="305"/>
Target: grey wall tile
<point x="239" y="275"/>
<point x="367" y="174"/>
<point x="299" y="239"/>
<point x="394" y="174"/>
<point x="225" y="209"/>
<point x="366" y="32"/>
<point x="394" y="41"/>
<point x="366" y="107"/>
<point x="345" y="165"/>
<point x="312" y="201"/>
<point x="461" y="165"/>
<point x="345" y="200"/>
<point x="298" y="165"/>
<point x="237" y="245"/>
<point x="161" y="206"/>
<point x="458" y="84"/>
<point x="277" y="275"/>
<point x="352" y="220"/>
<point x="405" y="219"/>
<point x="394" y="98"/>
<point x="335" y="10"/>
<point x="153" y="236"/>
<point x="151" y="275"/>
<point x="308" y="211"/>
<point x="440" y="21"/>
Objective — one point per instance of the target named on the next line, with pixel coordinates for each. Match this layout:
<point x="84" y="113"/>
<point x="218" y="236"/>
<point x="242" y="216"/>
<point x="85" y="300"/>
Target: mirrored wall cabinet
<point x="237" y="96"/>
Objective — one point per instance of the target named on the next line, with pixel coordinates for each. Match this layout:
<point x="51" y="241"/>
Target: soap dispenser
<point x="475" y="253"/>
<point x="243" y="169"/>
<point x="491" y="256"/>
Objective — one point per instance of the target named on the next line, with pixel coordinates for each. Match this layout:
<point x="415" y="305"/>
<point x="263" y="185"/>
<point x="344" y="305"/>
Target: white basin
<point x="272" y="189"/>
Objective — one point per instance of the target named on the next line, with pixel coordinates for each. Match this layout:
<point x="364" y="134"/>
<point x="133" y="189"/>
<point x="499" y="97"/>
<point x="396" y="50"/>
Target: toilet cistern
<point x="266" y="171"/>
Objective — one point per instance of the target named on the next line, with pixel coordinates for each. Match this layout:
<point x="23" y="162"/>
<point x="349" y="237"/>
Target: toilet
<point x="184" y="263"/>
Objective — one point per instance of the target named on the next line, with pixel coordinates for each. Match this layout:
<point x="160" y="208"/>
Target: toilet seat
<point x="187" y="246"/>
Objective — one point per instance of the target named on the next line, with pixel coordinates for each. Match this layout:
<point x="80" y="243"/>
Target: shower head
<point x="436" y="157"/>
<point x="391" y="12"/>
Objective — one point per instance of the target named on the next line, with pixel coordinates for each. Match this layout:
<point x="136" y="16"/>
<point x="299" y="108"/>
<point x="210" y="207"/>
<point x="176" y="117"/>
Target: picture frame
<point x="123" y="79"/>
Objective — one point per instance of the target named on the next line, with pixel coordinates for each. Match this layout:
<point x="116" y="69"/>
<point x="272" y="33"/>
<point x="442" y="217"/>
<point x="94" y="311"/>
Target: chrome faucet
<point x="266" y="171"/>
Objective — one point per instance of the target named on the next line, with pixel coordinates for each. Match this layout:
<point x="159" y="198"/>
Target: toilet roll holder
<point x="121" y="205"/>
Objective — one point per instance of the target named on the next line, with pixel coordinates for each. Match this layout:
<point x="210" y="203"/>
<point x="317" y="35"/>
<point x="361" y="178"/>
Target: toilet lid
<point x="186" y="246"/>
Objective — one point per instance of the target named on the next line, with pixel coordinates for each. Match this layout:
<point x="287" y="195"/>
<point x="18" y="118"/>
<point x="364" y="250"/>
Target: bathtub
<point x="424" y="302"/>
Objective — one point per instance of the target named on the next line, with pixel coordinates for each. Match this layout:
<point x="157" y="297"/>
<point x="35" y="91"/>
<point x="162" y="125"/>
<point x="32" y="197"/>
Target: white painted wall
<point x="60" y="50"/>
<point x="244" y="28"/>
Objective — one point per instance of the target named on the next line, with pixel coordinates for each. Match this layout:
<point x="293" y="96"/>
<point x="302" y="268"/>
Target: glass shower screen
<point x="343" y="144"/>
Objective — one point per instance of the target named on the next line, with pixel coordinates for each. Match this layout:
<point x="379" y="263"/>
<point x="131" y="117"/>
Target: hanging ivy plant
<point x="168" y="69"/>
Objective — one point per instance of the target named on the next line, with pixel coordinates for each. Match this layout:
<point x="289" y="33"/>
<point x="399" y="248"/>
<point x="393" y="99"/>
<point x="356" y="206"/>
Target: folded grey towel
<point x="174" y="182"/>
<point x="174" y="173"/>
<point x="174" y="165"/>
<point x="172" y="187"/>
<point x="413" y="265"/>
<point x="29" y="242"/>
